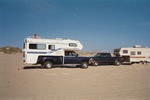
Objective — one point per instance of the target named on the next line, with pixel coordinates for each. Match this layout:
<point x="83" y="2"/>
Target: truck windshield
<point x="97" y="55"/>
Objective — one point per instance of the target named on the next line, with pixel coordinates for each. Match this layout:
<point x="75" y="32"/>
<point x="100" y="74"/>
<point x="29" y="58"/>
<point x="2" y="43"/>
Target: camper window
<point x="139" y="53"/>
<point x="51" y="47"/>
<point x="125" y="51"/>
<point x="37" y="46"/>
<point x="72" y="44"/>
<point x="132" y="53"/>
<point x="23" y="45"/>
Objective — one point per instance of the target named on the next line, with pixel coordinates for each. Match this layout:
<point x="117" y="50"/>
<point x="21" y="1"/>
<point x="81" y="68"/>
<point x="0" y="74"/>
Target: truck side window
<point x="102" y="55"/>
<point x="66" y="53"/>
<point x="70" y="53"/>
<point x="51" y="47"/>
<point x="74" y="54"/>
<point x="108" y="55"/>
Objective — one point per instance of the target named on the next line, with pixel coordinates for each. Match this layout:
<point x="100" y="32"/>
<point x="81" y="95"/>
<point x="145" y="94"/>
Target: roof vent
<point x="59" y="39"/>
<point x="137" y="46"/>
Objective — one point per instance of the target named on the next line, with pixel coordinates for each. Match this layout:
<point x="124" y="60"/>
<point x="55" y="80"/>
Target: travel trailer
<point x="135" y="54"/>
<point x="35" y="47"/>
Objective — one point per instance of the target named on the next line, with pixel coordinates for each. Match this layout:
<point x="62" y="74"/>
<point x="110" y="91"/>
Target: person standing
<point x="35" y="36"/>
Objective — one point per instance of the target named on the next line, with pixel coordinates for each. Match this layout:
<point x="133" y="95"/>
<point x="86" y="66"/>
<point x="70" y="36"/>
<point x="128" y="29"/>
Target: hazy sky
<point x="100" y="25"/>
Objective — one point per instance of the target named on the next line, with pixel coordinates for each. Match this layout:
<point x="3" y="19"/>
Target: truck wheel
<point x="84" y="65"/>
<point x="117" y="63"/>
<point x="95" y="63"/>
<point x="48" y="64"/>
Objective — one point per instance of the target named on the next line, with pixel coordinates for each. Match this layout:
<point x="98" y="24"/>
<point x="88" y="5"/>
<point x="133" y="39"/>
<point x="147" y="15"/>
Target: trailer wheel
<point x="141" y="62"/>
<point x="48" y="64"/>
<point x="117" y="63"/>
<point x="95" y="63"/>
<point x="145" y="62"/>
<point x="84" y="65"/>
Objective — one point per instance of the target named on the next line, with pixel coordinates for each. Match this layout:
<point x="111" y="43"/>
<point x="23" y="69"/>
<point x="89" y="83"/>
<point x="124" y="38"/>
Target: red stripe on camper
<point x="137" y="57"/>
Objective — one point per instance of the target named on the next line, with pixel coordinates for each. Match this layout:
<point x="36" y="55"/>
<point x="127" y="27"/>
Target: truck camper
<point x="55" y="49"/>
<point x="135" y="54"/>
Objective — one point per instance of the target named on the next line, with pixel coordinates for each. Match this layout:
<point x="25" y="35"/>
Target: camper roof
<point x="65" y="43"/>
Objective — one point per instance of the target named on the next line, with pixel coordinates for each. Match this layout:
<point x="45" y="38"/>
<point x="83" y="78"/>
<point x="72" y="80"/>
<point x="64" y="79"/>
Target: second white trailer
<point x="135" y="54"/>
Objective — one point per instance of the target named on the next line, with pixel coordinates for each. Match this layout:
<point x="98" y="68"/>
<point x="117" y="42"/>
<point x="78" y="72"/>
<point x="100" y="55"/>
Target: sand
<point x="105" y="82"/>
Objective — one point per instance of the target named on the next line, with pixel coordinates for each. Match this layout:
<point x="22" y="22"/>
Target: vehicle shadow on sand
<point x="39" y="67"/>
<point x="32" y="67"/>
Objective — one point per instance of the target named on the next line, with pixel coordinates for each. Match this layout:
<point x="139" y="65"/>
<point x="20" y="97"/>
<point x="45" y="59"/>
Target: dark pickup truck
<point x="104" y="58"/>
<point x="69" y="58"/>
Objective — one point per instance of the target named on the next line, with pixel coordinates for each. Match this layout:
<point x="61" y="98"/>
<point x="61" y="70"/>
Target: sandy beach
<point x="105" y="82"/>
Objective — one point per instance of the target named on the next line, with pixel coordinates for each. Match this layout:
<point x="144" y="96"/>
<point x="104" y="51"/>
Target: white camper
<point x="34" y="47"/>
<point x="135" y="54"/>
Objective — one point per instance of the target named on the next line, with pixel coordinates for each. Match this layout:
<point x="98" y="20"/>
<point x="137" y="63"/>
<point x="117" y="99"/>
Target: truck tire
<point x="48" y="64"/>
<point x="42" y="66"/>
<point x="117" y="63"/>
<point x="95" y="63"/>
<point x="84" y="65"/>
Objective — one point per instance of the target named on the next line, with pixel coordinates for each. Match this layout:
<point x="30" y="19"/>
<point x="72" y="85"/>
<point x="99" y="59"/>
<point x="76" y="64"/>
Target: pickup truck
<point x="69" y="58"/>
<point x="104" y="58"/>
